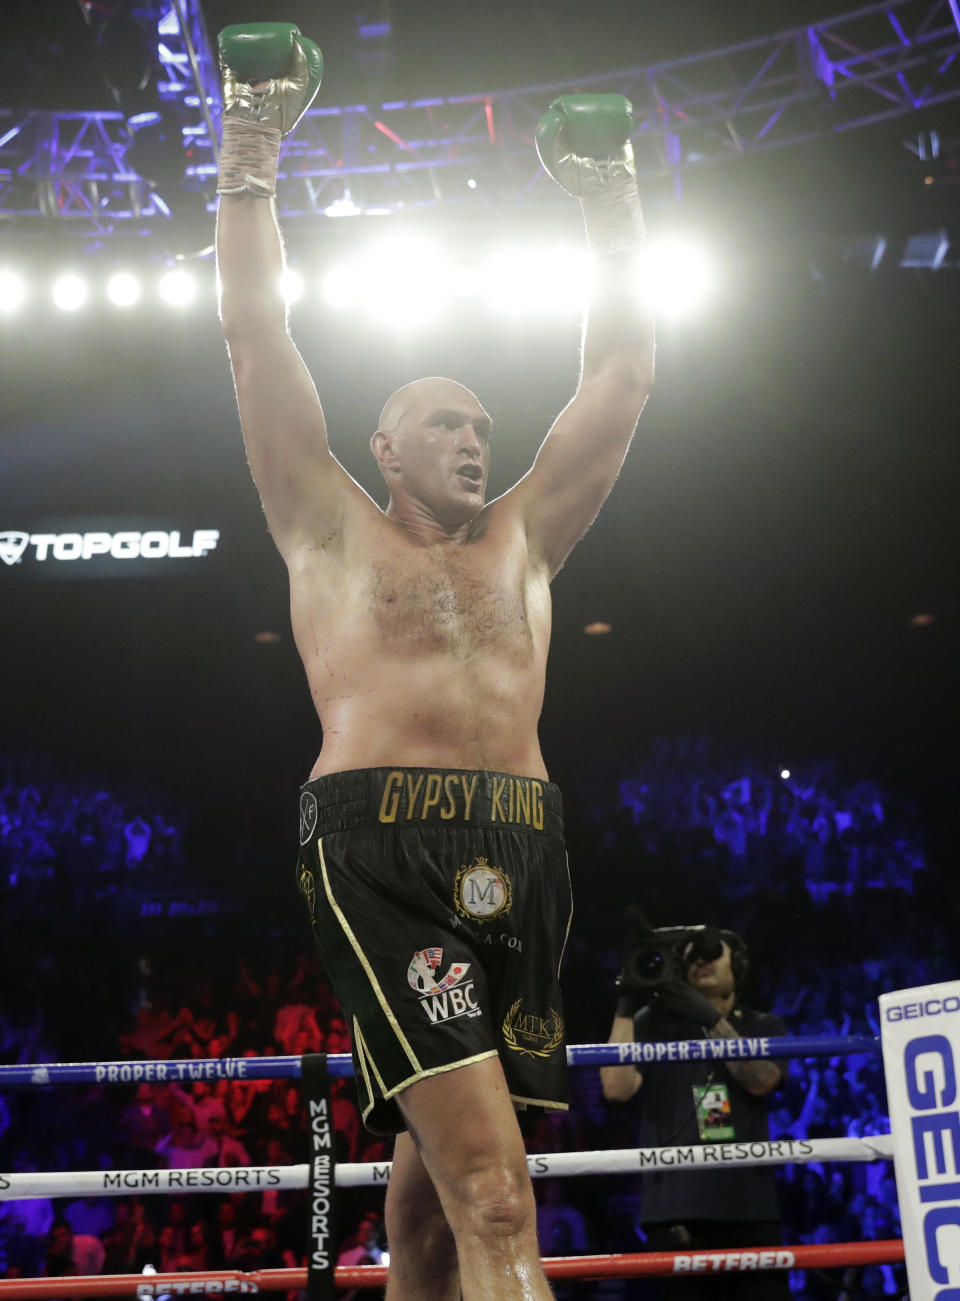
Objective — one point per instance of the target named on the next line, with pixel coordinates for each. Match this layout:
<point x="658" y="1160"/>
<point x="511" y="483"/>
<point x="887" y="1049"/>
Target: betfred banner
<point x="920" y="1031"/>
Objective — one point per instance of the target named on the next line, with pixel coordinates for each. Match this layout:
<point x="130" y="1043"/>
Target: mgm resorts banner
<point x="920" y="1031"/>
<point x="104" y="547"/>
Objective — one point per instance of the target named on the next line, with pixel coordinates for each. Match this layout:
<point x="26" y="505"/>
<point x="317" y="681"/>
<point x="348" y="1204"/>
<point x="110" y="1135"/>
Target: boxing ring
<point x="629" y="1161"/>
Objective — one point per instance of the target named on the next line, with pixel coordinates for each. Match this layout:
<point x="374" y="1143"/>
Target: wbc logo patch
<point x="446" y="997"/>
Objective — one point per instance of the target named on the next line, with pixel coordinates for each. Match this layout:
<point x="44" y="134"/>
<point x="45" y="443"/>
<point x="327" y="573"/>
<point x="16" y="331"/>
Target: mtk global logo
<point x="129" y="544"/>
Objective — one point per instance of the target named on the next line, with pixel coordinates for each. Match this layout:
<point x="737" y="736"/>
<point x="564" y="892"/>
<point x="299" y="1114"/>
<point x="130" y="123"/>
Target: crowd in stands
<point x="64" y="839"/>
<point x="827" y="882"/>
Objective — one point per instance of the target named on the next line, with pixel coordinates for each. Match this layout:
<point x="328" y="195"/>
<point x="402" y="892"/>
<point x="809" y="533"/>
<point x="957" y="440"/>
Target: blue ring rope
<point x="179" y="1071"/>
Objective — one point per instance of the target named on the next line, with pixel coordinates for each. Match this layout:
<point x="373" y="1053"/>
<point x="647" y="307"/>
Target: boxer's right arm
<point x="270" y="77"/>
<point x="300" y="483"/>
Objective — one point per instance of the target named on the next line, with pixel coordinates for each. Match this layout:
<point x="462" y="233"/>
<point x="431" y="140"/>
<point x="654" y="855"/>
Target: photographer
<point x="683" y="983"/>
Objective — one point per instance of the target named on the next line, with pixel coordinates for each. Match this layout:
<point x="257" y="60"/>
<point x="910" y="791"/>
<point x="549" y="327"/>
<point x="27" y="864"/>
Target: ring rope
<point x="168" y="1071"/>
<point x="832" y="1256"/>
<point x="632" y="1160"/>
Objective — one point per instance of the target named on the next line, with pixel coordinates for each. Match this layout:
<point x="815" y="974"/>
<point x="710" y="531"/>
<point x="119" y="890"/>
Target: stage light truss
<point x="877" y="62"/>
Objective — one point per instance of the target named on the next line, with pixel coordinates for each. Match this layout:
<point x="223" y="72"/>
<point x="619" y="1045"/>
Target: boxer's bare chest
<point x="459" y="599"/>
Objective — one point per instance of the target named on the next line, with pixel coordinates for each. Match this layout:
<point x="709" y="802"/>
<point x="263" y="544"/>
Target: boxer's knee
<point x="494" y="1200"/>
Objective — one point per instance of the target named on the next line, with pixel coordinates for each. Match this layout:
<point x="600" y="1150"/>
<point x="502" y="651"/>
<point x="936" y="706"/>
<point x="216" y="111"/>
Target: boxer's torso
<point x="424" y="653"/>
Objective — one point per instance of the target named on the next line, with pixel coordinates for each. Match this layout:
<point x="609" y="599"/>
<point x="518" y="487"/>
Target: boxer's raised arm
<point x="280" y="413"/>
<point x="270" y="76"/>
<point x="584" y="144"/>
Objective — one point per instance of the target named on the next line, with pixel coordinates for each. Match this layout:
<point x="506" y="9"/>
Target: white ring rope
<point x="634" y="1160"/>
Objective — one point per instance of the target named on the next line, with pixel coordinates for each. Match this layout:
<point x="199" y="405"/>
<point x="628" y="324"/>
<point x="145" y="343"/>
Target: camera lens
<point x="650" y="965"/>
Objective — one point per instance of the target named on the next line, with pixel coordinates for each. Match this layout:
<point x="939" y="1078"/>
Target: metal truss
<point x="878" y="62"/>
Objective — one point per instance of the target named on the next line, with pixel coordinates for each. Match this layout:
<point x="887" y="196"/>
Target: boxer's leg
<point x="423" y="1254"/>
<point x="466" y="1133"/>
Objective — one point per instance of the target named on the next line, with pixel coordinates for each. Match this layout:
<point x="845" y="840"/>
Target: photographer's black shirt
<point x="668" y="1118"/>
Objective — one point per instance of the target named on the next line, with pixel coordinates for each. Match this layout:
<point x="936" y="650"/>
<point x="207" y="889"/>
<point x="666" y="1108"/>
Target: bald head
<point x="420" y="392"/>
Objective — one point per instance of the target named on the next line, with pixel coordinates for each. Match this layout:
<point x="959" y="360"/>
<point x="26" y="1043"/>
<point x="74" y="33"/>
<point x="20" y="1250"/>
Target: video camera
<point x="665" y="953"/>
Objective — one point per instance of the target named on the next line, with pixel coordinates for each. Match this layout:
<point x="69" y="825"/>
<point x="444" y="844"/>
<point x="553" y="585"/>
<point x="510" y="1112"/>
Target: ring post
<point x="920" y="1031"/>
<point x="321" y="1258"/>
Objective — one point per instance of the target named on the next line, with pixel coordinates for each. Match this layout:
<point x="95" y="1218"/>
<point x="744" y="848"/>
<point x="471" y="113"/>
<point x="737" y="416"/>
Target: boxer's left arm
<point x="581" y="456"/>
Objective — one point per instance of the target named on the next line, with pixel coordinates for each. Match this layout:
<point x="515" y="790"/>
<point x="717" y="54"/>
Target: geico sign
<point x="932" y="1007"/>
<point x="930" y="1071"/>
<point x="153" y="545"/>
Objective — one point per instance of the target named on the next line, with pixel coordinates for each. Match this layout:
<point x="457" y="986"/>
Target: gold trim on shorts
<point x="439" y="1070"/>
<point x="540" y="1102"/>
<point x="563" y="947"/>
<point x="345" y="925"/>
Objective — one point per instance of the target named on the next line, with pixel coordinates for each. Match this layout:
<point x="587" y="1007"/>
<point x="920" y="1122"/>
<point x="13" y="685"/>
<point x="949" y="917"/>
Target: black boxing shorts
<point x="440" y="901"/>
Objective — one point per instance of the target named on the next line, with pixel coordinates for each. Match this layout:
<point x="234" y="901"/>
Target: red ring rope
<point x="833" y="1256"/>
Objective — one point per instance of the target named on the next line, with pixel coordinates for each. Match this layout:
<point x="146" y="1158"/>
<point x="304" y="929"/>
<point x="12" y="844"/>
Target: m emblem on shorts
<point x="446" y="998"/>
<point x="308" y="816"/>
<point x="534" y="1036"/>
<point x="482" y="892"/>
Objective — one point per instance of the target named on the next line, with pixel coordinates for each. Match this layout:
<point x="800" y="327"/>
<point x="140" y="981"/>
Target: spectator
<point x="142" y="1125"/>
<point x="227" y="1234"/>
<point x="168" y="1251"/>
<point x="198" y="1255"/>
<point x="201" y="1102"/>
<point x="72" y="1253"/>
<point x="561" y="1228"/>
<point x="130" y="1244"/>
<point x="185" y="1148"/>
<point x="25" y="1225"/>
<point x="227" y="1151"/>
<point x="92" y="1216"/>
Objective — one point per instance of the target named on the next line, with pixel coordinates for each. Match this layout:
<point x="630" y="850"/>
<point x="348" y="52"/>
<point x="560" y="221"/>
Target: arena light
<point x="464" y="282"/>
<point x="177" y="288"/>
<point x="405" y="282"/>
<point x="70" y="292"/>
<point x="13" y="291"/>
<point x="344" y="207"/>
<point x="678" y="275"/>
<point x="537" y="281"/>
<point x="561" y="279"/>
<point x="785" y="774"/>
<point x="291" y="285"/>
<point x="340" y="286"/>
<point x="504" y="282"/>
<point x="123" y="289"/>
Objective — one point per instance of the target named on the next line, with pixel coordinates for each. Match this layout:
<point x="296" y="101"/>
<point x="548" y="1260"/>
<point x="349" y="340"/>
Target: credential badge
<point x="482" y="892"/>
<point x="308" y="816"/>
